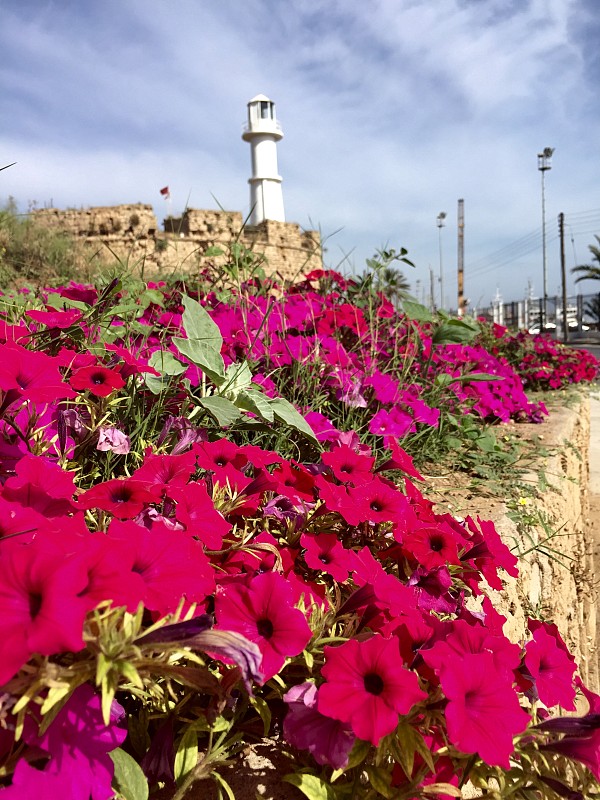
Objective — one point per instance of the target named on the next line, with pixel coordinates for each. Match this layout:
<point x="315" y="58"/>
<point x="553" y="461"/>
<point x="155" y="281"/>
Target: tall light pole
<point x="544" y="164"/>
<point x="440" y="223"/>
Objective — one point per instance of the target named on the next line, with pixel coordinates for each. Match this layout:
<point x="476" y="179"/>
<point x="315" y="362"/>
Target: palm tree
<point x="590" y="271"/>
<point x="385" y="278"/>
<point x="592" y="307"/>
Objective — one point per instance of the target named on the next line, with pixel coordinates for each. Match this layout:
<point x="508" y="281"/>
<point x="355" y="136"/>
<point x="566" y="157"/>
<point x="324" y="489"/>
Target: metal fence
<point x="582" y="314"/>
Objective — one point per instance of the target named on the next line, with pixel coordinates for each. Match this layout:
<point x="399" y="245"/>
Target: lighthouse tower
<point x="263" y="132"/>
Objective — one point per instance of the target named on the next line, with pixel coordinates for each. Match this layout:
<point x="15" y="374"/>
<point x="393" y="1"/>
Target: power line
<point x="579" y="223"/>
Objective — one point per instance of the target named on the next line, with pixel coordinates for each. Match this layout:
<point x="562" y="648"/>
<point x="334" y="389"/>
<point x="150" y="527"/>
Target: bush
<point x="30" y="252"/>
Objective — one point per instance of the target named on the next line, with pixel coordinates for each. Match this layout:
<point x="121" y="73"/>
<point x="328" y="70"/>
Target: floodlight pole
<point x="544" y="164"/>
<point x="440" y="223"/>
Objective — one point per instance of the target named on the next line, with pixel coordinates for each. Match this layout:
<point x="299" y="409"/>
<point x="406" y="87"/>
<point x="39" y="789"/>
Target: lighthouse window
<point x="265" y="110"/>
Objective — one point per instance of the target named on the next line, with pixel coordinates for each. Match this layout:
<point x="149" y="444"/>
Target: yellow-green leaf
<point x="442" y="788"/>
<point x="310" y="785"/>
<point x="186" y="756"/>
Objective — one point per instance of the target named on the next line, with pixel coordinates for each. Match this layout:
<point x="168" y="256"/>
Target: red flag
<point x="165" y="192"/>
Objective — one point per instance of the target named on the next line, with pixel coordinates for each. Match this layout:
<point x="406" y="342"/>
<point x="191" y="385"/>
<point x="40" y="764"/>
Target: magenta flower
<point x="42" y="485"/>
<point x="30" y="375"/>
<point x="368" y="686"/>
<point x="325" y="552"/>
<point x="378" y="501"/>
<point x="433" y="546"/>
<point x="263" y="612"/>
<point x="79" y="744"/>
<point x="348" y="466"/>
<point x="42" y="611"/>
<point x="195" y="511"/>
<point x="551" y="669"/>
<point x="170" y="564"/>
<point x="402" y="461"/>
<point x="98" y="380"/>
<point x="478" y="693"/>
<point x="124" y="498"/>
<point x="56" y="319"/>
<point x="393" y="424"/>
<point x="328" y="740"/>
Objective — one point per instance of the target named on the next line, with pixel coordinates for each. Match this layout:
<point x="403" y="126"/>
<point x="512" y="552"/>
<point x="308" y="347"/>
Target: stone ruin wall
<point x="131" y="233"/>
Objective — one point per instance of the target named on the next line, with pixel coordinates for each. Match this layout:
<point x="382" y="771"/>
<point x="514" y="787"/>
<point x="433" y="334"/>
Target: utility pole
<point x="461" y="258"/>
<point x="563" y="275"/>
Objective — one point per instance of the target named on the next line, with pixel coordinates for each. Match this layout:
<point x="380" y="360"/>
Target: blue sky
<point x="392" y="110"/>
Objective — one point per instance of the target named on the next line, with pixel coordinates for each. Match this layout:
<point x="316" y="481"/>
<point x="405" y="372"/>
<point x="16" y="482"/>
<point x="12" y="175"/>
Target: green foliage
<point x="32" y="253"/>
<point x="234" y="394"/>
<point x="129" y="781"/>
<point x="589" y="271"/>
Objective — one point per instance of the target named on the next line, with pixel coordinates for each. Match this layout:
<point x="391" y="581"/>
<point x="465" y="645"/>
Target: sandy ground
<point x="594" y="529"/>
<point x="594" y="498"/>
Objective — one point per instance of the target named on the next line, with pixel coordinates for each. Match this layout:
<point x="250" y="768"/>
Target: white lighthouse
<point x="263" y="132"/>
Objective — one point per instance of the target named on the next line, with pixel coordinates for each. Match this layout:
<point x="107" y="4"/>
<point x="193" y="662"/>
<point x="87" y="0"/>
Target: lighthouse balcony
<point x="270" y="126"/>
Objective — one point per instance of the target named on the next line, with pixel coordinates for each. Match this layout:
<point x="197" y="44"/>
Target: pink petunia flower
<point x="368" y="687"/>
<point x="79" y="744"/>
<point x="30" y="375"/>
<point x="391" y="425"/>
<point x="348" y="466"/>
<point x="551" y="669"/>
<point x="124" y="498"/>
<point x="98" y="380"/>
<point x="111" y="438"/>
<point x="42" y="611"/>
<point x="170" y="564"/>
<point x="263" y="612"/>
<point x="477" y="693"/>
<point x="325" y="552"/>
<point x="55" y="318"/>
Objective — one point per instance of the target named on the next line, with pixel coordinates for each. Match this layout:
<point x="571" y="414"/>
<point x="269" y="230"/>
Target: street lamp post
<point x="544" y="164"/>
<point x="440" y="223"/>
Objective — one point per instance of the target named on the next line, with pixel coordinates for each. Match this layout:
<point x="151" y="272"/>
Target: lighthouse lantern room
<point x="263" y="132"/>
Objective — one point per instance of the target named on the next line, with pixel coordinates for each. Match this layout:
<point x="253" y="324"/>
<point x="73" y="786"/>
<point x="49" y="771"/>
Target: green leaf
<point x="478" y="376"/>
<point x="255" y="401"/>
<point x="381" y="780"/>
<point x="154" y="296"/>
<point x="359" y="752"/>
<point x="213" y="251"/>
<point x="404" y="743"/>
<point x="442" y="788"/>
<point x="455" y="331"/>
<point x="164" y="362"/>
<point x="416" y="311"/>
<point x="310" y="785"/>
<point x="204" y="340"/>
<point x="237" y="378"/>
<point x="222" y="783"/>
<point x="197" y="324"/>
<point x="443" y="379"/>
<point x="222" y="409"/>
<point x="59" y="303"/>
<point x="129" y="779"/>
<point x="204" y="356"/>
<point x="285" y="412"/>
<point x="186" y="756"/>
<point x="262" y="708"/>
